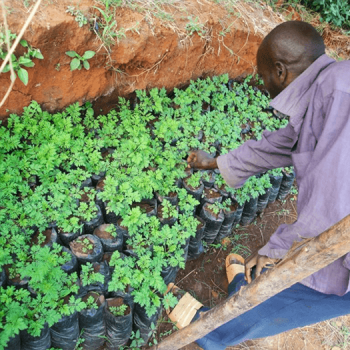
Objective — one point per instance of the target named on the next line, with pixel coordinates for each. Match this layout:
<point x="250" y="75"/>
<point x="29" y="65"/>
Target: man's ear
<point x="281" y="71"/>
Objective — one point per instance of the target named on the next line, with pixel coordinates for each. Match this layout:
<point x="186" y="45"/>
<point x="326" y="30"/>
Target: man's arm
<point x="274" y="150"/>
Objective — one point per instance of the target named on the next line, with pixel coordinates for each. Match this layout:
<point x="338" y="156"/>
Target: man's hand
<point x="201" y="160"/>
<point x="260" y="262"/>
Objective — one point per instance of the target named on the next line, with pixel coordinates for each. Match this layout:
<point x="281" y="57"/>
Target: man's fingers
<point x="248" y="266"/>
<point x="247" y="274"/>
<point x="191" y="159"/>
<point x="259" y="266"/>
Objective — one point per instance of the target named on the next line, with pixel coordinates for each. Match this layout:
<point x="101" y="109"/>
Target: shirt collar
<point x="295" y="98"/>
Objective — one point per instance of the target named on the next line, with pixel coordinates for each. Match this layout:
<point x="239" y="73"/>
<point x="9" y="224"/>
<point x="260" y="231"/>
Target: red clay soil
<point x="156" y="57"/>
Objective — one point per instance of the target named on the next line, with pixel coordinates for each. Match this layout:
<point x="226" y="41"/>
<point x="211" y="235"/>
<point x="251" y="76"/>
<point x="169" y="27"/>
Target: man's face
<point x="269" y="73"/>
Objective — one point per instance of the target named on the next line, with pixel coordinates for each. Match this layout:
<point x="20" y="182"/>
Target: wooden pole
<point x="302" y="260"/>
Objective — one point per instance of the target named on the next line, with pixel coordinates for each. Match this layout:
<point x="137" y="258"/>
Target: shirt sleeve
<point x="253" y="157"/>
<point x="323" y="180"/>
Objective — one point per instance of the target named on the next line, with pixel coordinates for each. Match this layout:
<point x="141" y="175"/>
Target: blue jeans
<point x="297" y="306"/>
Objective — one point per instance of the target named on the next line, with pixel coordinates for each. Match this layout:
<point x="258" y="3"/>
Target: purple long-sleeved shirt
<point x="317" y="143"/>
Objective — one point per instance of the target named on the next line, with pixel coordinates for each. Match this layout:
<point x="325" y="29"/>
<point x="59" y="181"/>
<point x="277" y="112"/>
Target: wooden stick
<point x="302" y="260"/>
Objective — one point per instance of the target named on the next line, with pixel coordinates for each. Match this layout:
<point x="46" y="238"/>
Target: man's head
<point x="286" y="52"/>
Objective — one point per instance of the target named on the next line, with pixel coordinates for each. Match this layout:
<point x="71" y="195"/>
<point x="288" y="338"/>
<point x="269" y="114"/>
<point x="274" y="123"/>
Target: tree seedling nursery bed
<point x="99" y="213"/>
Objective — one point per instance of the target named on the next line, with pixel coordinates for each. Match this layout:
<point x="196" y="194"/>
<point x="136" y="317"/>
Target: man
<point x="314" y="92"/>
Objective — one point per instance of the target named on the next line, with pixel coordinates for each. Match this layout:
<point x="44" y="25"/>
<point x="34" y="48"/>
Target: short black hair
<point x="294" y="42"/>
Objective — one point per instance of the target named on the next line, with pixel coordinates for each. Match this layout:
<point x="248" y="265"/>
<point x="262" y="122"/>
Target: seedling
<point x="19" y="62"/>
<point x="80" y="61"/>
<point x="169" y="210"/>
<point x="91" y="303"/>
<point x="89" y="276"/>
<point x="111" y="229"/>
<point x="194" y="26"/>
<point x="118" y="310"/>
<point x="194" y="180"/>
<point x="86" y="244"/>
<point x="79" y="16"/>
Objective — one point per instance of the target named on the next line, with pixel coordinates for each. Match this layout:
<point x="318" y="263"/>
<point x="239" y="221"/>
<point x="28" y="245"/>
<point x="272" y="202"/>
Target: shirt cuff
<point x="272" y="253"/>
<point x="226" y="172"/>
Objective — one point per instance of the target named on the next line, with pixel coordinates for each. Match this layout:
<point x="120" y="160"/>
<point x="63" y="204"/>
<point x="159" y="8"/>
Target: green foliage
<point x="169" y="210"/>
<point x="91" y="303"/>
<point x="110" y="32"/>
<point x="80" y="61"/>
<point x="46" y="157"/>
<point x="336" y="12"/>
<point x="194" y="26"/>
<point x="194" y="180"/>
<point x="253" y="187"/>
<point x="333" y="11"/>
<point x="118" y="310"/>
<point x="79" y="16"/>
<point x="89" y="276"/>
<point x="18" y="63"/>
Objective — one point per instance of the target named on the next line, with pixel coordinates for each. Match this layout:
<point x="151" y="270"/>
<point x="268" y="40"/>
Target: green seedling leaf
<point x="38" y="54"/>
<point x="88" y="54"/>
<point x="86" y="65"/>
<point x="24" y="60"/>
<point x="23" y="75"/>
<point x="75" y="64"/>
<point x="30" y="64"/>
<point x="71" y="54"/>
<point x="24" y="43"/>
<point x="6" y="69"/>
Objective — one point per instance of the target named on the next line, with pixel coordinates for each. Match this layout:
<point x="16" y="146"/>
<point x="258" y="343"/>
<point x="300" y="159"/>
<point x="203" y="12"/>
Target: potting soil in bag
<point x="109" y="242"/>
<point x="86" y="183"/>
<point x="122" y="230"/>
<point x="100" y="287"/>
<point x="118" y="328"/>
<point x="2" y="278"/>
<point x="147" y="206"/>
<point x="208" y="178"/>
<point x="71" y="265"/>
<point x="171" y="197"/>
<point x="97" y="177"/>
<point x="276" y="183"/>
<point x="163" y="220"/>
<point x="65" y="332"/>
<point x="14" y="343"/>
<point x="222" y="191"/>
<point x="41" y="342"/>
<point x="92" y="322"/>
<point x="98" y="220"/>
<point x="229" y="218"/>
<point x="213" y="223"/>
<point x="67" y="237"/>
<point x="249" y="211"/>
<point x="169" y="273"/>
<point x="110" y="216"/>
<point x="91" y="255"/>
<point x="286" y="184"/>
<point x="195" y="192"/>
<point x="263" y="200"/>
<point x="210" y="195"/>
<point x="50" y="236"/>
<point x="17" y="281"/>
<point x="143" y="322"/>
<point x="238" y="215"/>
<point x="195" y="247"/>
